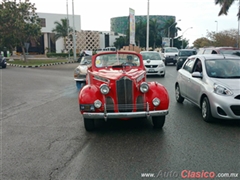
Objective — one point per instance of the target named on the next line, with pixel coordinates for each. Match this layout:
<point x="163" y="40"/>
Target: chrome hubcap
<point x="177" y="92"/>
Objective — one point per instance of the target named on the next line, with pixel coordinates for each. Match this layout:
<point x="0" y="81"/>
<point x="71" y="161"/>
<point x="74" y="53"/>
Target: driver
<point x="130" y="61"/>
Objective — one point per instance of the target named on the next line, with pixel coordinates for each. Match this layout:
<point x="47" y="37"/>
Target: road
<point x="43" y="136"/>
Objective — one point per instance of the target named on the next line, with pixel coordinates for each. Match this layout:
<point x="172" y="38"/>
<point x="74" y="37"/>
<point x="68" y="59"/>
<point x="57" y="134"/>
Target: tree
<point x="225" y="5"/>
<point x="19" y="23"/>
<point x="202" y="42"/>
<point x="222" y="38"/>
<point x="61" y="30"/>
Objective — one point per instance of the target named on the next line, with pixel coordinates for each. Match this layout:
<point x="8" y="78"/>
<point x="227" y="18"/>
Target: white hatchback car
<point x="212" y="82"/>
<point x="153" y="63"/>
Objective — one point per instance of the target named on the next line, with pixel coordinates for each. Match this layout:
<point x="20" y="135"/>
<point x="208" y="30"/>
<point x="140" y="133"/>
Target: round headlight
<point x="97" y="104"/>
<point x="104" y="89"/>
<point x="144" y="87"/>
<point x="156" y="101"/>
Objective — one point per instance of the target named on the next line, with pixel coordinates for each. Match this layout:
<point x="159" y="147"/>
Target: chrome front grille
<point x="125" y="94"/>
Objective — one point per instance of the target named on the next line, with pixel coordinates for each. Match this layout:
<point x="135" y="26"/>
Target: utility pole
<point x="68" y="31"/>
<point x="147" y="38"/>
<point x="74" y="35"/>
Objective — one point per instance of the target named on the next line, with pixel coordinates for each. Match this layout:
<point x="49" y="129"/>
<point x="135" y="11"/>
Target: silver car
<point x="153" y="63"/>
<point x="80" y="71"/>
<point x="212" y="82"/>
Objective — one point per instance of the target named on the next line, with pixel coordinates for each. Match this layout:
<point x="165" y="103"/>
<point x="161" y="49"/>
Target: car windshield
<point x="86" y="60"/>
<point x="227" y="68"/>
<point x="119" y="59"/>
<point x="151" y="56"/>
<point x="233" y="52"/>
<point x="186" y="53"/>
<point x="171" y="50"/>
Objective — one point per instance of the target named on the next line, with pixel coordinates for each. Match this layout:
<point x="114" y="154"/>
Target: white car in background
<point x="153" y="63"/>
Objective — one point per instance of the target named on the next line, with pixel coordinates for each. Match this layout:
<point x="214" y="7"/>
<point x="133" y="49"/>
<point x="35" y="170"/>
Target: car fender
<point x="88" y="94"/>
<point x="157" y="90"/>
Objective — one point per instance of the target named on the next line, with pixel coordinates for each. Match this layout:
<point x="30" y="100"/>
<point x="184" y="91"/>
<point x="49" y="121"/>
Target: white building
<point x="47" y="23"/>
<point x="85" y="40"/>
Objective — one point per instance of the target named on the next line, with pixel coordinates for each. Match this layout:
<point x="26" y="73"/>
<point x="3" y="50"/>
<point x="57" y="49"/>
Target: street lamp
<point x="171" y="26"/>
<point x="216" y="26"/>
<point x="183" y="34"/>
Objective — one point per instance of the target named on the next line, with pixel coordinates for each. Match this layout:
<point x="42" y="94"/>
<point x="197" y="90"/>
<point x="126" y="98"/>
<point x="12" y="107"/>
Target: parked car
<point x="183" y="54"/>
<point x="212" y="83"/>
<point x="3" y="61"/>
<point x="153" y="63"/>
<point x="217" y="50"/>
<point x="81" y="70"/>
<point x="117" y="88"/>
<point x="170" y="54"/>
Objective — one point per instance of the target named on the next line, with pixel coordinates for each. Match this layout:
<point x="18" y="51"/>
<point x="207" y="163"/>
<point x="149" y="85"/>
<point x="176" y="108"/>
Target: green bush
<point x="65" y="55"/>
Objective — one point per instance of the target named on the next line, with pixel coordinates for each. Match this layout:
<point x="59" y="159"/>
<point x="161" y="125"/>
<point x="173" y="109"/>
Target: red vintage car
<point x="117" y="88"/>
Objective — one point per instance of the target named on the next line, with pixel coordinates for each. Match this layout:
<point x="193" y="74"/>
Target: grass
<point x="35" y="62"/>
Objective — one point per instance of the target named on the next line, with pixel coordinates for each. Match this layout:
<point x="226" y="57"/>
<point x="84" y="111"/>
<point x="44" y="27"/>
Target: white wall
<point x="51" y="18"/>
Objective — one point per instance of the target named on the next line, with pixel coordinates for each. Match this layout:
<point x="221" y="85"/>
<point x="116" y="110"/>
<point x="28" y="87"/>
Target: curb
<point x="36" y="66"/>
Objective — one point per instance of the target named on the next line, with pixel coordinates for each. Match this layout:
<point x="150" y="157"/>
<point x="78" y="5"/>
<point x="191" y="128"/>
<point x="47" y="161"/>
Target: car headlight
<point x="161" y="65"/>
<point x="144" y="87"/>
<point x="104" y="89"/>
<point x="77" y="71"/>
<point x="221" y="90"/>
<point x="97" y="103"/>
<point x="156" y="101"/>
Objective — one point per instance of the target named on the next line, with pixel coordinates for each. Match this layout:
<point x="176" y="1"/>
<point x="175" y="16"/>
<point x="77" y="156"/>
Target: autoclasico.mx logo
<point x="187" y="174"/>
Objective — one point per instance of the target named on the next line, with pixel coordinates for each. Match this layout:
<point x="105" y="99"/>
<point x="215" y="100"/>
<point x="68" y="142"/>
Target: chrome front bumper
<point x="113" y="115"/>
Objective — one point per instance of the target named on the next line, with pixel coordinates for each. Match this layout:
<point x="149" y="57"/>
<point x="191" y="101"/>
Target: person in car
<point x="130" y="61"/>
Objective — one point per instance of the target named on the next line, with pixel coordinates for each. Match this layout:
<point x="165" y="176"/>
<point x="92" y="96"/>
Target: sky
<point x="201" y="15"/>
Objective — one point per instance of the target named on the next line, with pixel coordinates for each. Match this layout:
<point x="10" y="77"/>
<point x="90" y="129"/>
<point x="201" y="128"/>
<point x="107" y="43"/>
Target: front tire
<point x="89" y="124"/>
<point x="158" y="121"/>
<point x="178" y="96"/>
<point x="206" y="110"/>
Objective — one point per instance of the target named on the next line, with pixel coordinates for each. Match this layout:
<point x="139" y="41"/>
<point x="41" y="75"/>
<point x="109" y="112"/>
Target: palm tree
<point x="61" y="30"/>
<point x="225" y="5"/>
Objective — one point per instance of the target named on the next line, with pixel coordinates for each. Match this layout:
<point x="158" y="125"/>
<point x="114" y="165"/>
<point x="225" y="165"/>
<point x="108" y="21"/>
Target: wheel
<point x="165" y="63"/>
<point x="89" y="124"/>
<point x="206" y="110"/>
<point x="158" y="121"/>
<point x="4" y="66"/>
<point x="177" y="67"/>
<point x="178" y="96"/>
<point x="163" y="75"/>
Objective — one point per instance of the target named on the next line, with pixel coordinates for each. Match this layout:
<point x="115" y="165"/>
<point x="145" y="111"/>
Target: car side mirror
<point x="197" y="75"/>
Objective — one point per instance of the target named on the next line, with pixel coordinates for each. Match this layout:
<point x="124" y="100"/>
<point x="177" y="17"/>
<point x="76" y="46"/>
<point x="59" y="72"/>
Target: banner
<point x="131" y="26"/>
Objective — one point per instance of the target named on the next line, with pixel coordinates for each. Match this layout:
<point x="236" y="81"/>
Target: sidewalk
<point x="40" y="57"/>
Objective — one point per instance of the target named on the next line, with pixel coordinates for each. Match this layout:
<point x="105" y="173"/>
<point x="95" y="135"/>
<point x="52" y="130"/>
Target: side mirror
<point x="197" y="75"/>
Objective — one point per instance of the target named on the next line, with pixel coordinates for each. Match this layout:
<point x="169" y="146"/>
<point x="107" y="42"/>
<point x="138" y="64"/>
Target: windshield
<point x="171" y="50"/>
<point x="233" y="52"/>
<point x="107" y="60"/>
<point x="151" y="56"/>
<point x="187" y="53"/>
<point x="86" y="60"/>
<point x="227" y="68"/>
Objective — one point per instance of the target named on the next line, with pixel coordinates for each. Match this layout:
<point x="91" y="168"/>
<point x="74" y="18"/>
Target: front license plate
<point x="151" y="70"/>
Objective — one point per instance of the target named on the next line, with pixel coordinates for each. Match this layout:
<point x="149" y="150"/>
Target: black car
<point x="3" y="62"/>
<point x="183" y="54"/>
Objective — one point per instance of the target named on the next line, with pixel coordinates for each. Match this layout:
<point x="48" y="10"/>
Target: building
<point x="85" y="40"/>
<point x="121" y="24"/>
